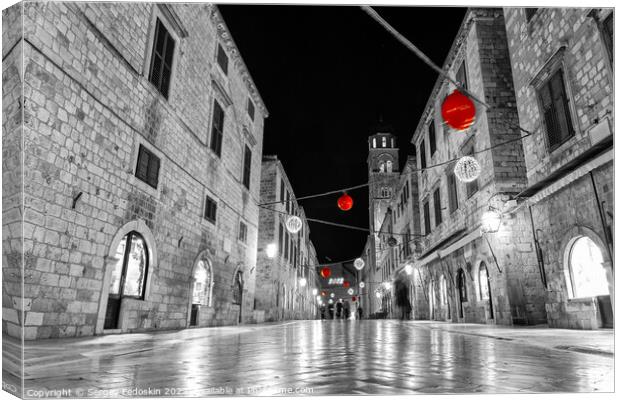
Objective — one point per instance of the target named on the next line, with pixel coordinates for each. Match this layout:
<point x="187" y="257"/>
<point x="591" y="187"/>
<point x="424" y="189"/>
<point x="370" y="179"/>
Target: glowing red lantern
<point x="353" y="298"/>
<point x="458" y="111"/>
<point x="345" y="202"/>
<point x="345" y="284"/>
<point x="323" y="294"/>
<point x="326" y="272"/>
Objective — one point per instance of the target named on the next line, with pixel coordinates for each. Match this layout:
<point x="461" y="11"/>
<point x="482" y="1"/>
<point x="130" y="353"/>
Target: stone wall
<point x="570" y="39"/>
<point x="89" y="106"/>
<point x="12" y="172"/>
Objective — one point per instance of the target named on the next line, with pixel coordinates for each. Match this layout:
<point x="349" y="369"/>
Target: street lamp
<point x="408" y="269"/>
<point x="491" y="221"/>
<point x="293" y="224"/>
<point x="386" y="285"/>
<point x="378" y="294"/>
<point x="302" y="282"/>
<point x="318" y="299"/>
<point x="271" y="250"/>
<point x="315" y="291"/>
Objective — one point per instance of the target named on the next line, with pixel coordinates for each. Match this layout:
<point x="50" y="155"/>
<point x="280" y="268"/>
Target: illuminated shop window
<point x="586" y="269"/>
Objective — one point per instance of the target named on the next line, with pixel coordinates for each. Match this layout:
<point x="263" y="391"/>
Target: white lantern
<point x="332" y="295"/>
<point x="293" y="224"/>
<point x="302" y="282"/>
<point x="362" y="284"/>
<point x="350" y="292"/>
<point x="491" y="221"/>
<point x="315" y="291"/>
<point x="378" y="295"/>
<point x="271" y="250"/>
<point x="408" y="269"/>
<point x="467" y="169"/>
<point x="358" y="263"/>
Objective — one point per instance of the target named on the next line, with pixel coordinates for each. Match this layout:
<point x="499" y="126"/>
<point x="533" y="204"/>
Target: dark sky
<point x="327" y="74"/>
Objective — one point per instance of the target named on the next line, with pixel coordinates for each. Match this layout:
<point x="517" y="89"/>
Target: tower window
<point x="388" y="166"/>
<point x="383" y="141"/>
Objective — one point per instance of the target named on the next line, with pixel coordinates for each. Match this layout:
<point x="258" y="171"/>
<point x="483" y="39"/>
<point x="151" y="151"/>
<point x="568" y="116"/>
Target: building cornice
<point x="235" y="56"/>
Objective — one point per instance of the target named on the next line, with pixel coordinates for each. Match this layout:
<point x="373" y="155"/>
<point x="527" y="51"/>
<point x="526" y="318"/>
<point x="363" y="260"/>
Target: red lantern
<point x="345" y="284"/>
<point x="326" y="272"/>
<point x="458" y="111"/>
<point x="353" y="298"/>
<point x="345" y="202"/>
<point x="323" y="294"/>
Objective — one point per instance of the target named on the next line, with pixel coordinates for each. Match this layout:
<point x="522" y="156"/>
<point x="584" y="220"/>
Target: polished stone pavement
<point x="305" y="357"/>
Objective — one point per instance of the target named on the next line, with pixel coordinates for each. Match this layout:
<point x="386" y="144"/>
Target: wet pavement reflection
<point x="307" y="358"/>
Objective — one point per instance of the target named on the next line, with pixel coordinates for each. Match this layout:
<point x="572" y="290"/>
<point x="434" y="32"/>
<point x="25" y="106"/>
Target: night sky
<point x="327" y="75"/>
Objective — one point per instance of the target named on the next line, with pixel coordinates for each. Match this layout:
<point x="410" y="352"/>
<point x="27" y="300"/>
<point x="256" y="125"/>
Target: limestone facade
<point x="142" y="133"/>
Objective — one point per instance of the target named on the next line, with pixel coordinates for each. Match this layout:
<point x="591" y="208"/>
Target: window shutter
<point x="153" y="171"/>
<point x="161" y="59"/>
<point x="143" y="164"/>
<point x="247" y="167"/>
<point x="427" y="218"/>
<point x="431" y="137"/>
<point x="422" y="154"/>
<point x="437" y="200"/>
<point x="560" y="102"/>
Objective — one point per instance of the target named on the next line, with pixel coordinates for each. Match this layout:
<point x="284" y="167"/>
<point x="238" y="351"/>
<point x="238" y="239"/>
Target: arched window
<point x="443" y="289"/>
<point x="382" y="166"/>
<point x="237" y="287"/>
<point x="203" y="280"/>
<point x="462" y="285"/>
<point x="586" y="269"/>
<point x="389" y="166"/>
<point x="383" y="141"/>
<point x="129" y="275"/>
<point x="374" y="143"/>
<point x="483" y="282"/>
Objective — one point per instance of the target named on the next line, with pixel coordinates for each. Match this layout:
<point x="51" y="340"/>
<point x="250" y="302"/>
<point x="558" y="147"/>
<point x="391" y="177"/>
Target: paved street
<point x="309" y="357"/>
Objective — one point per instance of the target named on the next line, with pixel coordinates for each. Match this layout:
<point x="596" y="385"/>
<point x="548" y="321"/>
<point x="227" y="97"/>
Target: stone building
<point x="142" y="134"/>
<point x="284" y="280"/>
<point x="458" y="273"/>
<point x="562" y="65"/>
<point x="341" y="286"/>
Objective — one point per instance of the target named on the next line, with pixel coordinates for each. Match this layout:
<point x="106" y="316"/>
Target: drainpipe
<point x="539" y="256"/>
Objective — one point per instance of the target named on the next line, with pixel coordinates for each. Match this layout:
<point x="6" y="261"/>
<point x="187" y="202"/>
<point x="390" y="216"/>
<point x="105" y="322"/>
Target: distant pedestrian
<point x="330" y="309"/>
<point x="339" y="309"/>
<point x="347" y="310"/>
<point x="359" y="311"/>
<point x="402" y="301"/>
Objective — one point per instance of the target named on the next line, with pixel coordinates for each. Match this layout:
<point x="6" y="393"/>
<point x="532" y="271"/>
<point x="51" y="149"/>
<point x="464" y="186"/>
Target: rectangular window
<point x="555" y="110"/>
<point x="452" y="193"/>
<point x="281" y="190"/>
<point x="210" y="210"/>
<point x="161" y="59"/>
<point x="243" y="232"/>
<point x="147" y="168"/>
<point x="529" y="13"/>
<point x="288" y="202"/>
<point x="222" y="59"/>
<point x="437" y="201"/>
<point x="422" y="155"/>
<point x="247" y="166"/>
<point x="461" y="75"/>
<point x="431" y="137"/>
<point x="251" y="109"/>
<point x="427" y="218"/>
<point x="217" y="129"/>
<point x="286" y="256"/>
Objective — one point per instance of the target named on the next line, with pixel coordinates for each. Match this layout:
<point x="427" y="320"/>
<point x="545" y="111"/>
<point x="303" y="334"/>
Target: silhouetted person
<point x="347" y="310"/>
<point x="339" y="309"/>
<point x="402" y="301"/>
<point x="359" y="311"/>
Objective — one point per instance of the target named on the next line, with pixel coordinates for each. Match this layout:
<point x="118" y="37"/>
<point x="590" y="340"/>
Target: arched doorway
<point x="128" y="277"/>
<point x="202" y="287"/>
<point x="485" y="288"/>
<point x="462" y="291"/>
<point x="237" y="291"/>
<point x="431" y="301"/>
<point x="587" y="276"/>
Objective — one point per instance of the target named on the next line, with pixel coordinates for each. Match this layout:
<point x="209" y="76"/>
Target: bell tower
<point x="383" y="174"/>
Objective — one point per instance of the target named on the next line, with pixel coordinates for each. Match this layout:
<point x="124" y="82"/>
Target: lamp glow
<point x="408" y="269"/>
<point x="318" y="298"/>
<point x="467" y="169"/>
<point x="332" y="295"/>
<point x="386" y="285"/>
<point x="362" y="284"/>
<point x="293" y="224"/>
<point x="491" y="221"/>
<point x="302" y="282"/>
<point x="271" y="250"/>
<point x="358" y="263"/>
<point x="331" y="301"/>
<point x="378" y="295"/>
<point x="315" y="291"/>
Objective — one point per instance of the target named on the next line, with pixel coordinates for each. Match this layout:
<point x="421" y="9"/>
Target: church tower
<point x="383" y="174"/>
